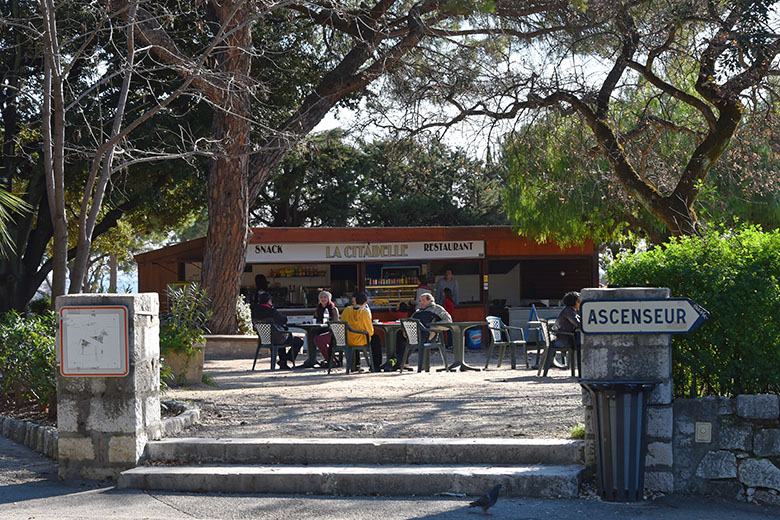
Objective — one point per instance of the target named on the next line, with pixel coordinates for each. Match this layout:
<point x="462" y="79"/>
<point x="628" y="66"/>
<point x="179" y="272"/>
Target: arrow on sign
<point x="651" y="316"/>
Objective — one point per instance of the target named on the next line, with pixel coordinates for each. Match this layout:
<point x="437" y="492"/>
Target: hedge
<point x="734" y="275"/>
<point x="27" y="360"/>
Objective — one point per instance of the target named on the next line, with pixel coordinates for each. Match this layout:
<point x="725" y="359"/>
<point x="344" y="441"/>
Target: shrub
<point x="185" y="324"/>
<point x="577" y="432"/>
<point x="39" y="305"/>
<point x="734" y="275"/>
<point x="27" y="360"/>
<point x="243" y="316"/>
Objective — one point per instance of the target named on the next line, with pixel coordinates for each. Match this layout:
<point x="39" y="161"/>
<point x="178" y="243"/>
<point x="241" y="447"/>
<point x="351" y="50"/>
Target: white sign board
<point x="662" y="316"/>
<point x="268" y="252"/>
<point x="93" y="341"/>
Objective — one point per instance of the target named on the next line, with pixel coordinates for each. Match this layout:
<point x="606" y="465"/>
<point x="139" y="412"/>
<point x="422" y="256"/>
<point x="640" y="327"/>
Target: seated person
<point x="358" y="316"/>
<point x="429" y="312"/>
<point x="261" y="286"/>
<point x="568" y="321"/>
<point x="325" y="311"/>
<point x="264" y="311"/>
<point x="325" y="304"/>
<point x="422" y="288"/>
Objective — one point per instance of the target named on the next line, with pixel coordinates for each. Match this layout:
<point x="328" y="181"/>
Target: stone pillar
<point x="635" y="356"/>
<point x="105" y="422"/>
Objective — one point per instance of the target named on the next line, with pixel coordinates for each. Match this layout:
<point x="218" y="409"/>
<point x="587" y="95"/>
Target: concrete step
<point x="350" y="480"/>
<point x="498" y="451"/>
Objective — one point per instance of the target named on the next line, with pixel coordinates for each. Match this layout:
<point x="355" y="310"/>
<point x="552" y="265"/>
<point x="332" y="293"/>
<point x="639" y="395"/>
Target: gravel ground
<point x="310" y="403"/>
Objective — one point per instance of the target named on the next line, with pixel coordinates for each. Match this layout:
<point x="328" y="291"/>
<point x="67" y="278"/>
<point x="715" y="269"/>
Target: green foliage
<point x="166" y="374"/>
<point x="40" y="306"/>
<point x="10" y="204"/>
<point x="243" y="316"/>
<point x="735" y="276"/>
<point x="561" y="187"/>
<point x="316" y="184"/>
<point x="327" y="182"/>
<point x="185" y="324"/>
<point x="557" y="190"/>
<point x="409" y="183"/>
<point x="27" y="360"/>
<point x="577" y="432"/>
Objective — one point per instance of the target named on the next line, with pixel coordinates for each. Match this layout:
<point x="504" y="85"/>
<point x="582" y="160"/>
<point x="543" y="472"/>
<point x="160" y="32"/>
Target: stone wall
<point x="742" y="458"/>
<point x="43" y="439"/>
<point x="231" y="347"/>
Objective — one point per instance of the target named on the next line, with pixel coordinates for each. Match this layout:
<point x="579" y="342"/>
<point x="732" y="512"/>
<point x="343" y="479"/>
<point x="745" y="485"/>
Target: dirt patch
<point x="29" y="413"/>
<point x="310" y="403"/>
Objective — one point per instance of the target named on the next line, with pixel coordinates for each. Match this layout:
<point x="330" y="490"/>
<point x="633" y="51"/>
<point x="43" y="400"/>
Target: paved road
<point x="29" y="490"/>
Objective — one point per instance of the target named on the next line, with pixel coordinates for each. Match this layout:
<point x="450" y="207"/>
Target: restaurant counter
<point x="463" y="312"/>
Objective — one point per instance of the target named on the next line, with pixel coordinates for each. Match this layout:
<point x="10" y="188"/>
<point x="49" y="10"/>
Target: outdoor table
<point x="458" y="329"/>
<point x="311" y="330"/>
<point x="389" y="328"/>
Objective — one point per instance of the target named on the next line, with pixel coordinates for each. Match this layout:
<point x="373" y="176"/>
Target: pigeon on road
<point x="487" y="501"/>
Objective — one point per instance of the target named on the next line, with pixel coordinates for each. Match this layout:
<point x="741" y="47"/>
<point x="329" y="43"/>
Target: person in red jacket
<point x="448" y="303"/>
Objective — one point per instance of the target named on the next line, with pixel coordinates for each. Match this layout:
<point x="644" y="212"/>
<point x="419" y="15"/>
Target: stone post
<point x="105" y="422"/>
<point x="634" y="356"/>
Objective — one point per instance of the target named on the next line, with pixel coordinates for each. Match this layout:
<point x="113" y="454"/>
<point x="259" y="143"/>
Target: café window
<point x="467" y="274"/>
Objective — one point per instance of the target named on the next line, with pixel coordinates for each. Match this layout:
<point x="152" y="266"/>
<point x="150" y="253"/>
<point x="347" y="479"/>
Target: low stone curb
<point x="42" y="439"/>
<point x="186" y="416"/>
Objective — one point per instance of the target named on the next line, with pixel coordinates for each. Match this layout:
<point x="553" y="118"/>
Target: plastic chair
<point x="548" y="356"/>
<point x="572" y="353"/>
<point x="534" y="341"/>
<point x="500" y="337"/>
<point x="416" y="334"/>
<point x="265" y="339"/>
<point x="342" y="344"/>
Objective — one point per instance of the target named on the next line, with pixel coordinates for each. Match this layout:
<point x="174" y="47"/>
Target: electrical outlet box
<point x="703" y="432"/>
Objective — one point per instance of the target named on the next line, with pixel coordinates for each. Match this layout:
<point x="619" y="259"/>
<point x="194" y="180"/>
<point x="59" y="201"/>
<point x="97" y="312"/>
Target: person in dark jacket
<point x="264" y="311"/>
<point x="568" y="320"/>
<point x="261" y="286"/>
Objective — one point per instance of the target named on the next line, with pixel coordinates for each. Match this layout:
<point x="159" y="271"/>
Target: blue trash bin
<point x="474" y="339"/>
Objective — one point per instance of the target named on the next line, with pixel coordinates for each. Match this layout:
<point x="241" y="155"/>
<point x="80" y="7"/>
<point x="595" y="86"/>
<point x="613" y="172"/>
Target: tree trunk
<point x="226" y="239"/>
<point x="228" y="194"/>
<point x="53" y="116"/>
<point x="112" y="273"/>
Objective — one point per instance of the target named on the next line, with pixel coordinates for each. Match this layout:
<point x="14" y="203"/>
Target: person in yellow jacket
<point x="358" y="316"/>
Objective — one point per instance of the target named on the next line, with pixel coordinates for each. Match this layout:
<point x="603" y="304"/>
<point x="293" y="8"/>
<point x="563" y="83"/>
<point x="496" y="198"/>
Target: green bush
<point x="734" y="275"/>
<point x="27" y="360"/>
<point x="185" y="324"/>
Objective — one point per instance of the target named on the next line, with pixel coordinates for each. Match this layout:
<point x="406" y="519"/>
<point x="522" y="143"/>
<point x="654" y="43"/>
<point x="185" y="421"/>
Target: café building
<point x="495" y="268"/>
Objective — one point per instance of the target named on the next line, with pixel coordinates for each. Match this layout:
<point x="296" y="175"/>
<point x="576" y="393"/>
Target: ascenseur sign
<point x="646" y="316"/>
